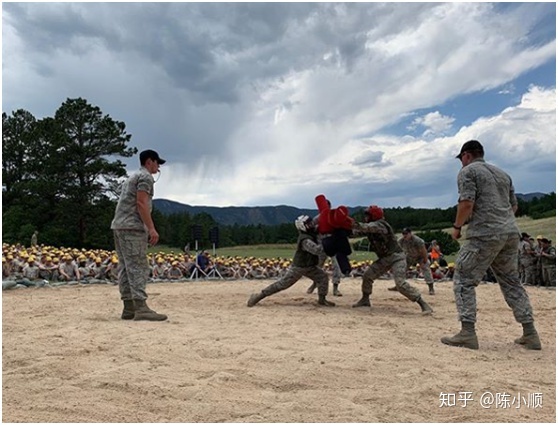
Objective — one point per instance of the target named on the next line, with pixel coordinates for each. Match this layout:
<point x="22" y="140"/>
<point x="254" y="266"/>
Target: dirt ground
<point x="67" y="357"/>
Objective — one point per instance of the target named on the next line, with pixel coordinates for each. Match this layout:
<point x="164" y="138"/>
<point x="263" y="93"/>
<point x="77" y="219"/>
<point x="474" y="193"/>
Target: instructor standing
<point x="133" y="227"/>
<point x="487" y="202"/>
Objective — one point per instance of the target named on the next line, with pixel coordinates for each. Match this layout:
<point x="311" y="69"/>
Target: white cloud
<point x="274" y="103"/>
<point x="434" y="122"/>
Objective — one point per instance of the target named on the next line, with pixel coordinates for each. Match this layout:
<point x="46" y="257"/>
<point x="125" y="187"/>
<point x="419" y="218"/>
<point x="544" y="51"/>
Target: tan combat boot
<point x="424" y="307"/>
<point x="467" y="337"/>
<point x="143" y="312"/>
<point x="322" y="301"/>
<point x="128" y="311"/>
<point x="530" y="338"/>
<point x="363" y="302"/>
<point x="254" y="299"/>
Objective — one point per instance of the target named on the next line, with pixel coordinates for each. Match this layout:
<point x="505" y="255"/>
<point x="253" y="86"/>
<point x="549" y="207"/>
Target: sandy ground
<point x="67" y="357"/>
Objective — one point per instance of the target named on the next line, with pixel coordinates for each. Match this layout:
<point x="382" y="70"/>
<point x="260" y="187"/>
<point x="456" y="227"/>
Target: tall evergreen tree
<point x="57" y="172"/>
<point x="18" y="134"/>
<point x="89" y="142"/>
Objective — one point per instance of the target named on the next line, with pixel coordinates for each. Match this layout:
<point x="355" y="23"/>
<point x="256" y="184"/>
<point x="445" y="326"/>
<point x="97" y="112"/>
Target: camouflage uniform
<point x="131" y="237"/>
<point x="527" y="263"/>
<point x="390" y="256"/>
<point x="549" y="266"/>
<point x="305" y="263"/>
<point x="413" y="249"/>
<point x="492" y="241"/>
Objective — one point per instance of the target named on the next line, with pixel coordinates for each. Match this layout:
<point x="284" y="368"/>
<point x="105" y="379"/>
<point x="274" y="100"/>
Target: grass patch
<point x="543" y="226"/>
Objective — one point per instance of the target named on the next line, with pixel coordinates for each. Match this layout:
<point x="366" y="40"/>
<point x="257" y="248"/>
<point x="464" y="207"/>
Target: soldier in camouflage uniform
<point x="527" y="261"/>
<point x="548" y="262"/>
<point x="133" y="227"/>
<point x="305" y="263"/>
<point x="487" y="201"/>
<point x="335" y="272"/>
<point x="415" y="249"/>
<point x="390" y="256"/>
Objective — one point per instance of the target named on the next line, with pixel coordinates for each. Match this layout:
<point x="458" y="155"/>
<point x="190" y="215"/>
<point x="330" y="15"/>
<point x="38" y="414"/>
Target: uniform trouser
<point x="335" y="269"/>
<point x="398" y="265"/>
<point x="293" y="275"/>
<point x="527" y="272"/>
<point x="133" y="269"/>
<point x="549" y="275"/>
<point x="499" y="252"/>
<point x="424" y="268"/>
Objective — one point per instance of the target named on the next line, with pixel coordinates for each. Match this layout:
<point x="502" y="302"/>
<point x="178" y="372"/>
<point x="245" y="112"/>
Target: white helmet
<point x="303" y="223"/>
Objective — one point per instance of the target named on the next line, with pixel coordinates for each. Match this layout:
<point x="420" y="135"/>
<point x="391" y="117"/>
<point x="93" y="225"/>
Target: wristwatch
<point x="456" y="227"/>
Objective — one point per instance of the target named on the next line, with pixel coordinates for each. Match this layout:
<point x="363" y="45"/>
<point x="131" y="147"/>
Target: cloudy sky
<point x="258" y="104"/>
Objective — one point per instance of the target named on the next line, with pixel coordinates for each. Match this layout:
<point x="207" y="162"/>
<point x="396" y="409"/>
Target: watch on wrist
<point x="456" y="227"/>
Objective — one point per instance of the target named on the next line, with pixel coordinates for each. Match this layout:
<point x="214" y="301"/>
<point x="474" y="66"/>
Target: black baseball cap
<point x="151" y="154"/>
<point x="471" y="146"/>
<point x="406" y="230"/>
<point x="525" y="235"/>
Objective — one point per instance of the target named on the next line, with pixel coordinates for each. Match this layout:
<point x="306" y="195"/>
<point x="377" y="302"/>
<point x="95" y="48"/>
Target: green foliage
<point x="544" y="214"/>
<point x="542" y="207"/>
<point x="59" y="173"/>
<point x="444" y="239"/>
<point x="420" y="218"/>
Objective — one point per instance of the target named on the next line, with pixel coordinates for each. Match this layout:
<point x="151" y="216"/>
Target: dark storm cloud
<point x="257" y="103"/>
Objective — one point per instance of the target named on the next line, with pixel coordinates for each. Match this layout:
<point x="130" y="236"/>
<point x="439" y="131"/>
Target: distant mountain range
<point x="527" y="197"/>
<point x="245" y="216"/>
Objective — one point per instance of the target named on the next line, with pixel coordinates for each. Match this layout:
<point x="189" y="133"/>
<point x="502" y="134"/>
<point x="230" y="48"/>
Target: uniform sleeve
<point x="145" y="183"/>
<point x="361" y="229"/>
<point x="467" y="184"/>
<point x="313" y="248"/>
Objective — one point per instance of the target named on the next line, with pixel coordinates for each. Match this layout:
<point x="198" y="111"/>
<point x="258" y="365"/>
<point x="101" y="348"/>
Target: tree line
<point x="61" y="176"/>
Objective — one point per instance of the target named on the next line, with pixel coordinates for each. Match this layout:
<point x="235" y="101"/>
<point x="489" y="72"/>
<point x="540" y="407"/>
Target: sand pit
<point x="67" y="357"/>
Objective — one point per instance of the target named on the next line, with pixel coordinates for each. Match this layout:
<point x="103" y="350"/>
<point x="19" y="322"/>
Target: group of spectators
<point x="537" y="261"/>
<point x="47" y="265"/>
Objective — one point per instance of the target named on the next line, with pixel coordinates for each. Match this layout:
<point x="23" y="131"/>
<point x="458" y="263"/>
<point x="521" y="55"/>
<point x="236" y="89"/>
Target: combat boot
<point x="336" y="292"/>
<point x="431" y="289"/>
<point x="311" y="288"/>
<point x="363" y="302"/>
<point x="322" y="301"/>
<point x="467" y="337"/>
<point x="128" y="311"/>
<point x="143" y="312"/>
<point x="530" y="338"/>
<point x="254" y="299"/>
<point x="424" y="306"/>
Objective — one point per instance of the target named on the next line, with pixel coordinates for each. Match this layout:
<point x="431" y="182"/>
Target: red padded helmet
<point x="374" y="212"/>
